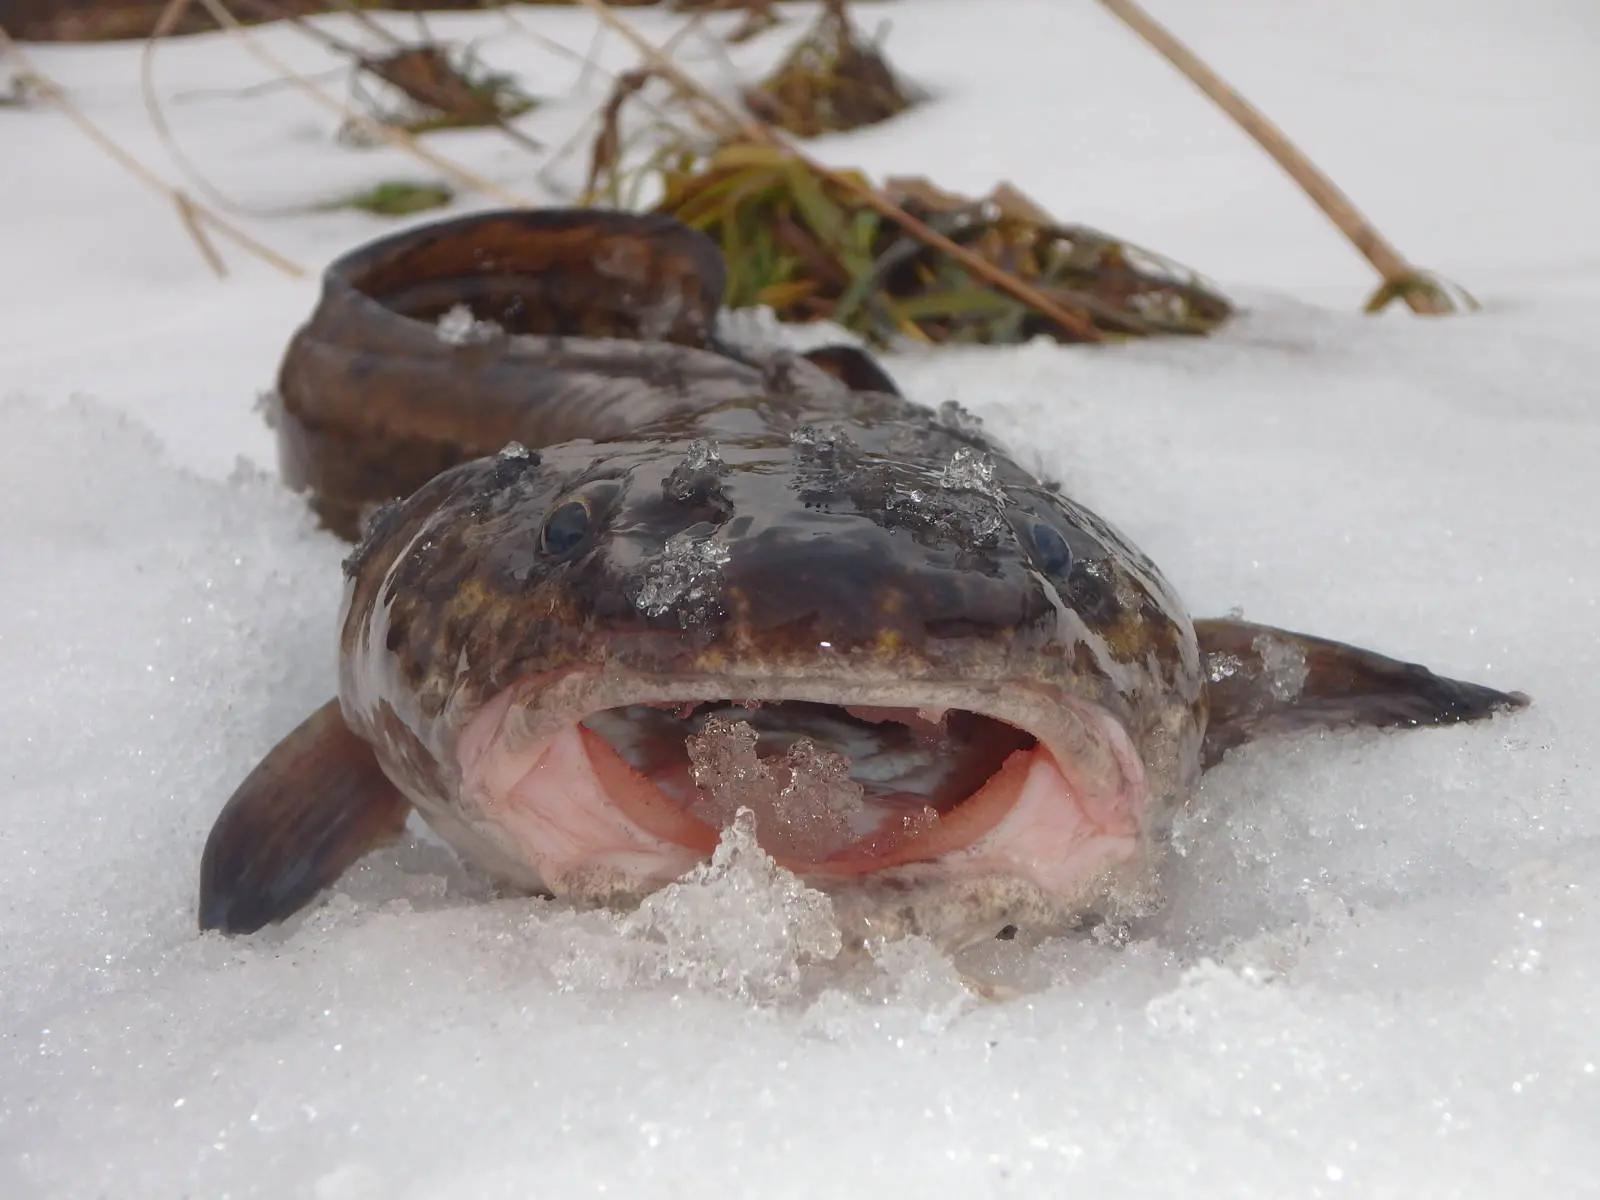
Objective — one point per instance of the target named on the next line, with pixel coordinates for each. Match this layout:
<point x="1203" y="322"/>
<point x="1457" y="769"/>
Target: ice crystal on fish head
<point x="963" y="501"/>
<point x="825" y="457"/>
<point x="971" y="470"/>
<point x="697" y="478"/>
<point x="685" y="577"/>
<point x="823" y="445"/>
<point x="958" y="420"/>
<point x="966" y="517"/>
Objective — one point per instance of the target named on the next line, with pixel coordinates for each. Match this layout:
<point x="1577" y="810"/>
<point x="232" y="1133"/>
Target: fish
<point x="619" y="581"/>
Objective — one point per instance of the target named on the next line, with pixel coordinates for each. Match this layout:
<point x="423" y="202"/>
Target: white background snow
<point x="1379" y="973"/>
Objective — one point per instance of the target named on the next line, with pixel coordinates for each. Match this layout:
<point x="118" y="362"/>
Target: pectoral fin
<point x="315" y="804"/>
<point x="1264" y="680"/>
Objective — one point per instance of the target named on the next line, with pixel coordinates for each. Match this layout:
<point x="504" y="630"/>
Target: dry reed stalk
<point x="1400" y="277"/>
<point x="589" y="66"/>
<point x="192" y="216"/>
<point x="171" y="14"/>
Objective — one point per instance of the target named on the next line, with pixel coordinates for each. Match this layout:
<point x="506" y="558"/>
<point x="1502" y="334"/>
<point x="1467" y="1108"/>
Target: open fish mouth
<point x="630" y="781"/>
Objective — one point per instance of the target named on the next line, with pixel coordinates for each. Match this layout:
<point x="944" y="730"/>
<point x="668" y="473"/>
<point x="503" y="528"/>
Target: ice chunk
<point x="925" y="979"/>
<point x="952" y="514"/>
<point x="686" y="576"/>
<point x="958" y="420"/>
<point x="697" y="479"/>
<point x="516" y="451"/>
<point x="905" y="988"/>
<point x="826" y="449"/>
<point x="459" y="327"/>
<point x="971" y="470"/>
<point x="1284" y="664"/>
<point x="804" y="805"/>
<point x="826" y="459"/>
<point x="961" y="501"/>
<point x="1222" y="666"/>
<point x="740" y="924"/>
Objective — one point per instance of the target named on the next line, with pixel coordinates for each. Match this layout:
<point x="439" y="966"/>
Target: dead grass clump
<point x="433" y="84"/>
<point x="802" y="245"/>
<point x="444" y="88"/>
<point x="832" y="81"/>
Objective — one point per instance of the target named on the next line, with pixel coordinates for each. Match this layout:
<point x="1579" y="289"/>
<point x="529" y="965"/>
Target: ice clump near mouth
<point x="804" y="803"/>
<point x="804" y="806"/>
<point x="739" y="926"/>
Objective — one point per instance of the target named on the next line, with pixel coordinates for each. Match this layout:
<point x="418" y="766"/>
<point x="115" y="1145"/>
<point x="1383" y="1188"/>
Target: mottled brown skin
<point x="461" y="569"/>
<point x="854" y="539"/>
<point x="372" y="403"/>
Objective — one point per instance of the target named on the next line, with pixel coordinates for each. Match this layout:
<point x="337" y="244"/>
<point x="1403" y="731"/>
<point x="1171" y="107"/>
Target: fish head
<point x="946" y="692"/>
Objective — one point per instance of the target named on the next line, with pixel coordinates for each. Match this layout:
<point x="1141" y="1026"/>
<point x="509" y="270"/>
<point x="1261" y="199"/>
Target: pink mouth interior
<point x="836" y="791"/>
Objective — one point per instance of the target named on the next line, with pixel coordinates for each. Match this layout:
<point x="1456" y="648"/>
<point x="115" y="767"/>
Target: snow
<point x="1377" y="971"/>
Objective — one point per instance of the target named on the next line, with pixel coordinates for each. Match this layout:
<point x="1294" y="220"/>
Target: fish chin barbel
<point x="620" y="578"/>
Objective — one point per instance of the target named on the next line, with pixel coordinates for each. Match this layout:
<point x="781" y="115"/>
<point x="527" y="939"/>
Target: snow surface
<point x="1380" y="968"/>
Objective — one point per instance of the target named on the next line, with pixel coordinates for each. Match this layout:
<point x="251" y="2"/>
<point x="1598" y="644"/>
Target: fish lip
<point x="1087" y="744"/>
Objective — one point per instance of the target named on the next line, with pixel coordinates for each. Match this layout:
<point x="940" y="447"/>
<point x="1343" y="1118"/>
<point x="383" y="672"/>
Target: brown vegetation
<point x="810" y="249"/>
<point x="832" y="81"/>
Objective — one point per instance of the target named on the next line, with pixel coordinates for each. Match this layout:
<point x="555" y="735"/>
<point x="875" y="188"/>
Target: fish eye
<point x="565" y="528"/>
<point x="1051" y="554"/>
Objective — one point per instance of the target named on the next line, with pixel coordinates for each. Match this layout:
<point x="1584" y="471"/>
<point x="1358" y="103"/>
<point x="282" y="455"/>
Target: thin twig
<point x="588" y="64"/>
<point x="169" y="18"/>
<point x="1322" y="191"/>
<point x="251" y="91"/>
<point x="396" y="137"/>
<point x="592" y="59"/>
<point x="1073" y="322"/>
<point x="695" y="24"/>
<point x="191" y="222"/>
<point x="716" y="46"/>
<point x="191" y="215"/>
<point x="690" y="91"/>
<point x="373" y="26"/>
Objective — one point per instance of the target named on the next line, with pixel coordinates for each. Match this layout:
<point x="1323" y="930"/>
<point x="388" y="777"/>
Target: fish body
<point x="624" y="579"/>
